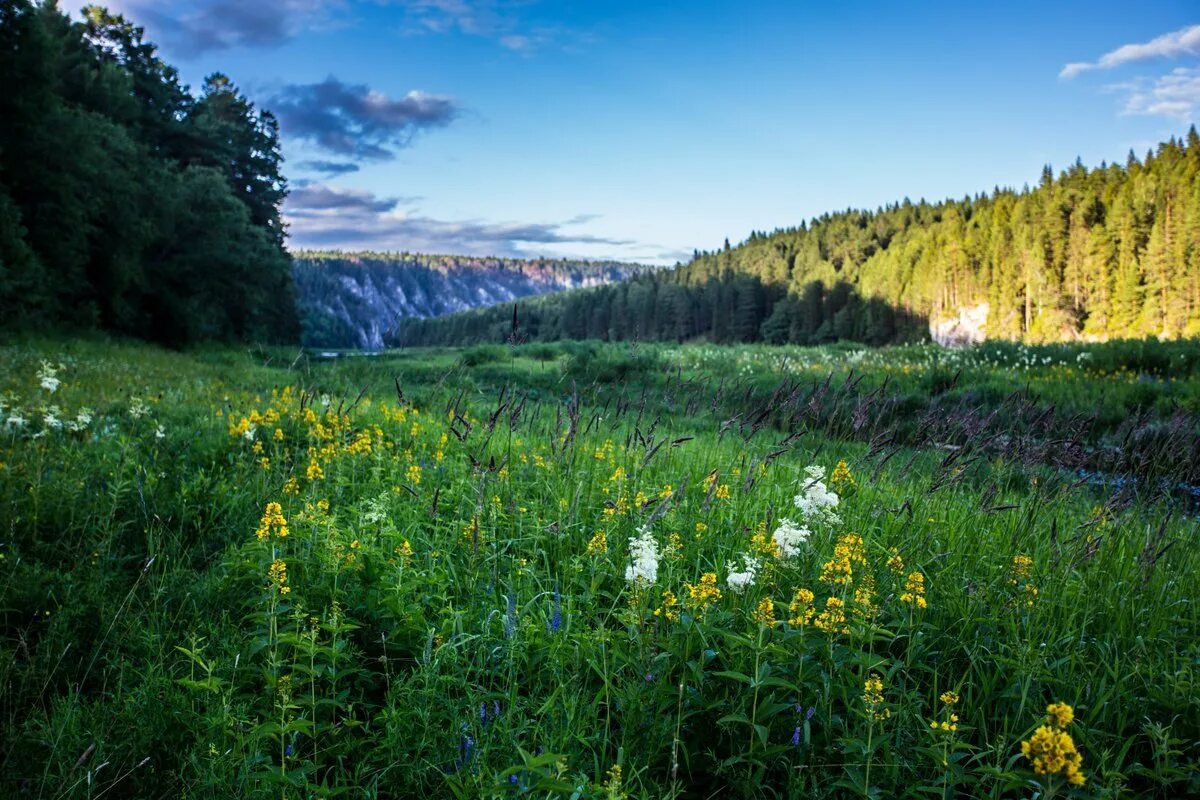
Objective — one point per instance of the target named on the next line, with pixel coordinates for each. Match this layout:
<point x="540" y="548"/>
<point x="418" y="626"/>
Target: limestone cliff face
<point x="354" y="300"/>
<point x="969" y="327"/>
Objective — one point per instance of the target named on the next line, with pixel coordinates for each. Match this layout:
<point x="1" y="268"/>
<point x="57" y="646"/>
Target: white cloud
<point x="1176" y="94"/>
<point x="1183" y="42"/>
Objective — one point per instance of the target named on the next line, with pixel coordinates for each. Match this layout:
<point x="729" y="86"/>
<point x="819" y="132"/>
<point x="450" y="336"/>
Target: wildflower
<point x="47" y="377"/>
<point x="788" y="537"/>
<point x="612" y="785"/>
<point x="50" y="418"/>
<point x="833" y="619"/>
<point x="914" y="590"/>
<point x="722" y="492"/>
<point x="764" y="612"/>
<point x="272" y="521"/>
<point x="83" y="418"/>
<point x="667" y="492"/>
<point x="1052" y="750"/>
<point x="873" y="698"/>
<point x="404" y="550"/>
<point x="314" y="471"/>
<point x="277" y="575"/>
<point x="703" y="594"/>
<point x="864" y="598"/>
<point x="598" y="544"/>
<point x="739" y="580"/>
<point x="796" y="737"/>
<point x="669" y="608"/>
<point x="701" y="527"/>
<point x="556" y="616"/>
<point x="1061" y="715"/>
<point x="895" y="562"/>
<point x="414" y="474"/>
<point x="139" y="409"/>
<point x="950" y="723"/>
<point x="842" y="480"/>
<point x="160" y="432"/>
<point x="292" y="486"/>
<point x="815" y="501"/>
<point x="15" y="420"/>
<point x="279" y="434"/>
<point x="847" y="552"/>
<point x="1022" y="565"/>
<point x="801" y="608"/>
<point x="643" y="554"/>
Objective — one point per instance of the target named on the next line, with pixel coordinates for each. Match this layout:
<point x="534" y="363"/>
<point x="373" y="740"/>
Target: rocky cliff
<point x="355" y="299"/>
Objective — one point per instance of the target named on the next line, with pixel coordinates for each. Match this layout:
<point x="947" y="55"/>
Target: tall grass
<point x="440" y="603"/>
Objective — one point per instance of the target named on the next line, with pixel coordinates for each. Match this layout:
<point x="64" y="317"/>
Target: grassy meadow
<point x="599" y="571"/>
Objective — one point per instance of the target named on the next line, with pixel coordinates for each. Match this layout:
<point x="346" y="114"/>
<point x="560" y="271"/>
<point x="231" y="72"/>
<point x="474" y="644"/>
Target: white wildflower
<point x="788" y="538"/>
<point x="250" y="431"/>
<point x="50" y="418"/>
<point x="160" y="432"/>
<point x="739" y="581"/>
<point x="138" y="408"/>
<point x="643" y="556"/>
<point x="15" y="420"/>
<point x="817" y="501"/>
<point x="47" y="376"/>
<point x="376" y="509"/>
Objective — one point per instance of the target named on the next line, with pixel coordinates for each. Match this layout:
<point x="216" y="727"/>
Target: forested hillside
<point x="356" y="299"/>
<point x="126" y="202"/>
<point x="1110" y="252"/>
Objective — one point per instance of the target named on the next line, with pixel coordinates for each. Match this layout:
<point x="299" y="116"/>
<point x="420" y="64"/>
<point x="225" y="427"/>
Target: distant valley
<point x="353" y="300"/>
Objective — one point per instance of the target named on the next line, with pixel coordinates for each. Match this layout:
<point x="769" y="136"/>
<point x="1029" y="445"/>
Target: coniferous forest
<point x="1110" y="252"/>
<point x="127" y="202"/>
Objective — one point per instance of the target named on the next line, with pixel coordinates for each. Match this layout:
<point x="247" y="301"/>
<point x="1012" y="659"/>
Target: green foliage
<point x="1106" y="253"/>
<point x="126" y="203"/>
<point x="455" y="625"/>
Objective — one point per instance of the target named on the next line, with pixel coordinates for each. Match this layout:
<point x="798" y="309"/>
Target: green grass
<point x="455" y="624"/>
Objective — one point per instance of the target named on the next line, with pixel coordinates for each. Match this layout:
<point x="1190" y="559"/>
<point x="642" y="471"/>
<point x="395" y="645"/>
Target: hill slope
<point x="1111" y="252"/>
<point x="356" y="299"/>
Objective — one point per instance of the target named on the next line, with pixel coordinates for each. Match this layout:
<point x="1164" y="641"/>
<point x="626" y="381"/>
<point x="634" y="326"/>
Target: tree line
<point x="1109" y="252"/>
<point x="128" y="203"/>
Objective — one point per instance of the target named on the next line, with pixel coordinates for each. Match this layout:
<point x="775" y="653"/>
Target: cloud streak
<point x="1183" y="42"/>
<point x="191" y="29"/>
<point x="322" y="216"/>
<point x="356" y="121"/>
<point x="1176" y="95"/>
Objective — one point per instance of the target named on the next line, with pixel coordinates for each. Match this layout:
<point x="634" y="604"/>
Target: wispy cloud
<point x="1183" y="42"/>
<point x="357" y="121"/>
<point x="324" y="216"/>
<point x="328" y="168"/>
<point x="189" y="29"/>
<point x="1176" y="94"/>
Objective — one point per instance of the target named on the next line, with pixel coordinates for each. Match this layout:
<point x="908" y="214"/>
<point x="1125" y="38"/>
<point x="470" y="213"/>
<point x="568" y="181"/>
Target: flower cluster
<point x="801" y="608"/>
<point x="914" y="590"/>
<point x="703" y="594"/>
<point x="277" y="575"/>
<point x="668" y="609"/>
<point x="272" y="522"/>
<point x="764" y="612"/>
<point x="847" y="552"/>
<point x="833" y="619"/>
<point x="950" y="723"/>
<point x="873" y="698"/>
<point x="788" y="537"/>
<point x="643" y="556"/>
<point x="740" y="580"/>
<point x="48" y="376"/>
<point x="817" y="501"/>
<point x="1052" y="750"/>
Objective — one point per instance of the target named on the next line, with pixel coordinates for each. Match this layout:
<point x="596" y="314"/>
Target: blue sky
<point x="642" y="131"/>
